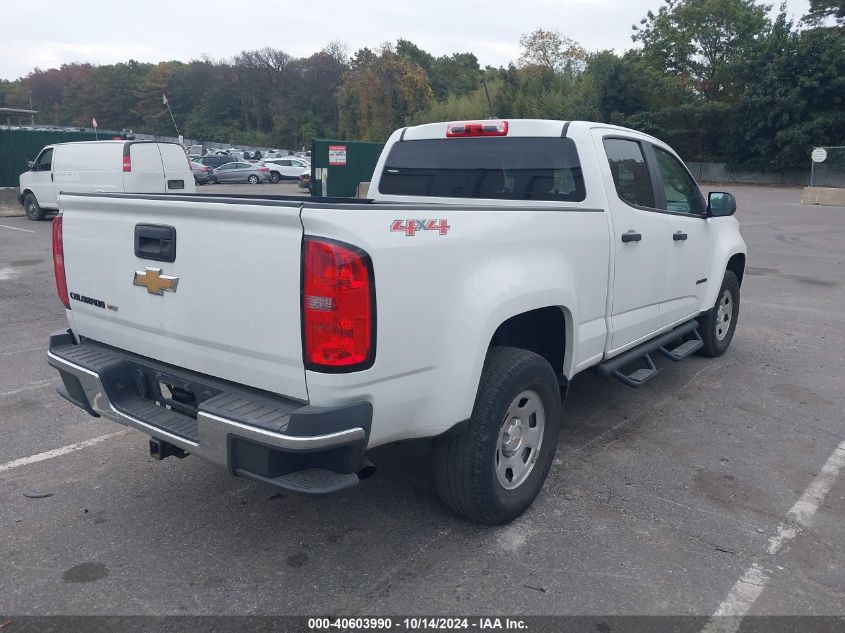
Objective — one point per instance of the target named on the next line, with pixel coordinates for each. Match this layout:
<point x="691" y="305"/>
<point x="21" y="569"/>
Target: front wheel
<point x="212" y="180"/>
<point x="494" y="468"/>
<point x="275" y="177"/>
<point x="253" y="179"/>
<point x="32" y="208"/>
<point x="717" y="325"/>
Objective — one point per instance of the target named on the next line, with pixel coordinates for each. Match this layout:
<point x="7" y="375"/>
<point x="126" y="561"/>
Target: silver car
<point x="240" y="172"/>
<point x="202" y="173"/>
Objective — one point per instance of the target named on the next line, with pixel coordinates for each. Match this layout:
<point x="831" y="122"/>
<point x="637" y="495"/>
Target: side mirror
<point x="30" y="163"/>
<point x="720" y="204"/>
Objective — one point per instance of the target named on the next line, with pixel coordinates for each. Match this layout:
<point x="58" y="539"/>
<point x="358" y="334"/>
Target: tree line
<point x="717" y="79"/>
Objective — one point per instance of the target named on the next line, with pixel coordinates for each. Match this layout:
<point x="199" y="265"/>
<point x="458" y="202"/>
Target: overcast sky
<point x="48" y="33"/>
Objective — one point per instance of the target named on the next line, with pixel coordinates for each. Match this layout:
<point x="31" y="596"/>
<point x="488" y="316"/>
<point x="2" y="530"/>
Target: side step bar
<point x="687" y="348"/>
<point x="615" y="365"/>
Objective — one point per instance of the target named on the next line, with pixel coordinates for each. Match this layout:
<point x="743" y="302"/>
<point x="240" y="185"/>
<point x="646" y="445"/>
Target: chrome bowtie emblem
<point x="154" y="281"/>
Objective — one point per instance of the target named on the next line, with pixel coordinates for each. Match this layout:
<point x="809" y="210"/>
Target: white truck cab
<point x="283" y="338"/>
<point x="103" y="167"/>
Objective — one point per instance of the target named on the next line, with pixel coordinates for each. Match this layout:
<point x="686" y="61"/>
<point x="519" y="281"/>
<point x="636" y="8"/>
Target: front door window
<point x="682" y="194"/>
<point x="45" y="161"/>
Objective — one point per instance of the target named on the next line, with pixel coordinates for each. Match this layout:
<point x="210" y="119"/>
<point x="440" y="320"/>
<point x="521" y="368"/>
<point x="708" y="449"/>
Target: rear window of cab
<point x="499" y="168"/>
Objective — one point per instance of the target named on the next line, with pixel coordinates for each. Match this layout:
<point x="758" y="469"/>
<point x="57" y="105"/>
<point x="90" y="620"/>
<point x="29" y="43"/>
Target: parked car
<point x="214" y="160"/>
<point x="305" y="180"/>
<point x="288" y="168"/>
<point x="591" y="247"/>
<point x="240" y="172"/>
<point x="202" y="173"/>
<point x="109" y="166"/>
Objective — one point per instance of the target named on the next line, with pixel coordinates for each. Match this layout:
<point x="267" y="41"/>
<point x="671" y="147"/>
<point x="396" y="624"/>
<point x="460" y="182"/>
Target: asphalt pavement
<point x="677" y="498"/>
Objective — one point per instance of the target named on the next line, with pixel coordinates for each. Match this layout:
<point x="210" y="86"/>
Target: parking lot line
<point x="30" y="387"/>
<point x="728" y="616"/>
<point x="57" y="452"/>
<point x="14" y="228"/>
<point x="23" y="351"/>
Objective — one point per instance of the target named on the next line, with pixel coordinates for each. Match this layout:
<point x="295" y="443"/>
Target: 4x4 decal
<point x="411" y="227"/>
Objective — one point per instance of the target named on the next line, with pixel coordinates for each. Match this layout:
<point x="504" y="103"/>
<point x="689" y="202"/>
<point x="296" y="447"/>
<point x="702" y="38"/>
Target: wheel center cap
<point x="512" y="437"/>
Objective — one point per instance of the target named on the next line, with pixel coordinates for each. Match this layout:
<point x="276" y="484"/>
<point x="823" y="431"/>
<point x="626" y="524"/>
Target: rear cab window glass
<point x="682" y="194"/>
<point x="630" y="172"/>
<point x="505" y="168"/>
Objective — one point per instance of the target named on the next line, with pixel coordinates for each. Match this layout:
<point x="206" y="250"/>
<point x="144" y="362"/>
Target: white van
<point x="105" y="166"/>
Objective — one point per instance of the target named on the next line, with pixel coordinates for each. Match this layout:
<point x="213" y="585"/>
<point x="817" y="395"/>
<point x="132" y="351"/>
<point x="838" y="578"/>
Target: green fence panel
<point x="347" y="163"/>
<point x="19" y="146"/>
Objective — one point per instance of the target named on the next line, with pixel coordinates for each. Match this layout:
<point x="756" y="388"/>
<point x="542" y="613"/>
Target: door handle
<point x="156" y="242"/>
<point x="679" y="236"/>
<point x="631" y="236"/>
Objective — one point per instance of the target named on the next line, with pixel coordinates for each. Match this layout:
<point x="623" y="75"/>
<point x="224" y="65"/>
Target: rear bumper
<point x="252" y="433"/>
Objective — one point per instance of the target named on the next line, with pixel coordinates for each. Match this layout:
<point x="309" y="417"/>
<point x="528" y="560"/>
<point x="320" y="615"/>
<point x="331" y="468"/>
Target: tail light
<point x="204" y="170"/>
<point x="127" y="163"/>
<point x="59" y="261"/>
<point x="477" y="128"/>
<point x="338" y="307"/>
<point x="264" y="169"/>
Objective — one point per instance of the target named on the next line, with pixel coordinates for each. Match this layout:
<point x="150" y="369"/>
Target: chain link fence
<point x="827" y="167"/>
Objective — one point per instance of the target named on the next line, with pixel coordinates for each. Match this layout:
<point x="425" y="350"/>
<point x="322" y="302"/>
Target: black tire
<point x="212" y="180"/>
<point x="275" y="177"/>
<point x="32" y="208"/>
<point x="465" y="471"/>
<point x="253" y="179"/>
<point x="717" y="327"/>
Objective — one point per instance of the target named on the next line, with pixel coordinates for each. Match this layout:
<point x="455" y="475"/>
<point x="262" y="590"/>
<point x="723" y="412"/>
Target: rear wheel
<point x="32" y="208"/>
<point x="253" y="179"/>
<point x="718" y="324"/>
<point x="494" y="468"/>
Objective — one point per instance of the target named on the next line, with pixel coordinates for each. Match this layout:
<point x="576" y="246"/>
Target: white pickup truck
<point x="284" y="337"/>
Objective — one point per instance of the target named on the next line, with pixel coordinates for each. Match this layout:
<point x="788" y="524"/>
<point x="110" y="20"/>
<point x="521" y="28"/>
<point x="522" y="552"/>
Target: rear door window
<point x="173" y="157"/>
<point x="630" y="172"/>
<point x="504" y="168"/>
<point x="145" y="157"/>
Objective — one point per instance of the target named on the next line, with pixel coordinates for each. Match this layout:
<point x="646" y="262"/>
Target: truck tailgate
<point x="234" y="312"/>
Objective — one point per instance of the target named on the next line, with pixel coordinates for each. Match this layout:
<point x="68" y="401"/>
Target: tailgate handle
<point x="156" y="242"/>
